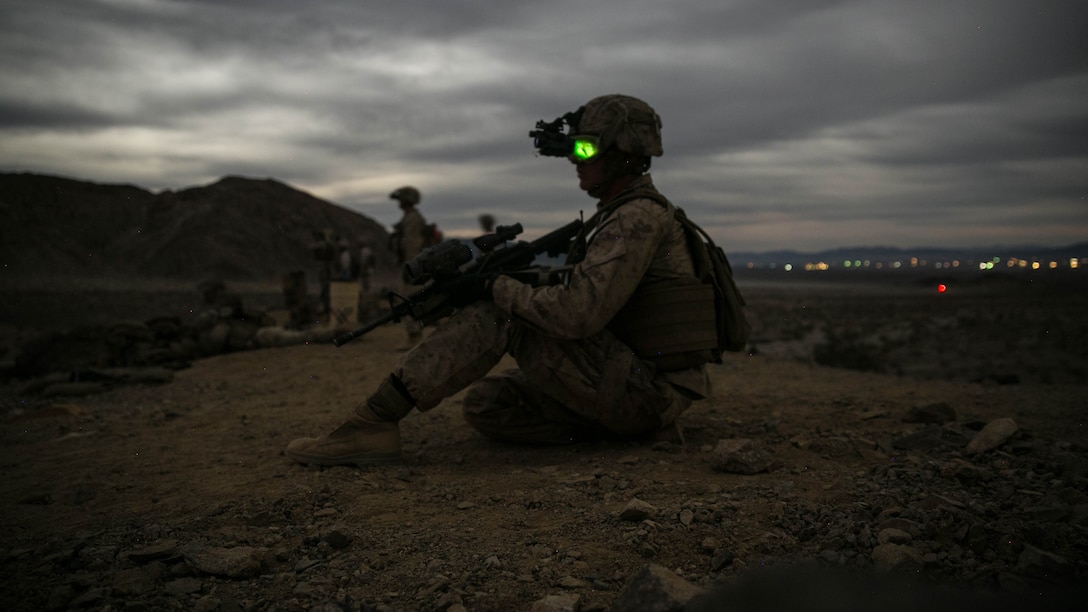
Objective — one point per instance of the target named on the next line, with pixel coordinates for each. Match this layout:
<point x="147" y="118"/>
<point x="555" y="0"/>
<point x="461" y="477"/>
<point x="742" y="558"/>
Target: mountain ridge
<point x="257" y="229"/>
<point x="236" y="229"/>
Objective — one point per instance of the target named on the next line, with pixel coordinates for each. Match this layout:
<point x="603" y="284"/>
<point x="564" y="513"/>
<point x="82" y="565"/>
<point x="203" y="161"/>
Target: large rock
<point x="557" y="603"/>
<point x="135" y="581"/>
<point x="938" y="413"/>
<point x="993" y="435"/>
<point x="655" y="589"/>
<point x="159" y="550"/>
<point x="894" y="558"/>
<point x="1040" y="563"/>
<point x="742" y="456"/>
<point x="237" y="562"/>
<point x="637" y="510"/>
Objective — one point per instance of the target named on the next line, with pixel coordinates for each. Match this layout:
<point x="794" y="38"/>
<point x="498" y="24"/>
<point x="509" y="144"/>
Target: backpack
<point x="431" y="235"/>
<point x="712" y="266"/>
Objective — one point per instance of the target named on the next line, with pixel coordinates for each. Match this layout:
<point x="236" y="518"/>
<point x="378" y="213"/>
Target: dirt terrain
<point x="177" y="496"/>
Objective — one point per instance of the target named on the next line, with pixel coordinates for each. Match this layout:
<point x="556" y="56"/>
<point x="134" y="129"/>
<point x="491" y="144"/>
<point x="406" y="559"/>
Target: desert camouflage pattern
<point x="407" y="242"/>
<point x="624" y="121"/>
<point x="408" y="235"/>
<point x="575" y="379"/>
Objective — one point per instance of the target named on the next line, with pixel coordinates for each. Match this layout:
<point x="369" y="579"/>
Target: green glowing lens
<point x="584" y="150"/>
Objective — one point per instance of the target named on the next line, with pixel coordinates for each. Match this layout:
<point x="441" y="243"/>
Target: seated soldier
<point x="577" y="378"/>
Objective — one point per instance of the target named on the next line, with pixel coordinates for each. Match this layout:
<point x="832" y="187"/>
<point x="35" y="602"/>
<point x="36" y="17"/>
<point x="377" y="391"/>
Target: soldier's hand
<point x="469" y="288"/>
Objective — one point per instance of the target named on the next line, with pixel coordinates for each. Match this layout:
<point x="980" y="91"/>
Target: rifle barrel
<point x="343" y="339"/>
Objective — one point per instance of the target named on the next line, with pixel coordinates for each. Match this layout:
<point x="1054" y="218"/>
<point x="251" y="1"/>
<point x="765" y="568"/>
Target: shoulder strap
<point x="578" y="246"/>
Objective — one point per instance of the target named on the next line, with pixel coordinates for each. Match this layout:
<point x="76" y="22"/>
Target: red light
<point x="942" y="288"/>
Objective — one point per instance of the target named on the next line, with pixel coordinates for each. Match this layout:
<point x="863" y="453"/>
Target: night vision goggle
<point x="550" y="139"/>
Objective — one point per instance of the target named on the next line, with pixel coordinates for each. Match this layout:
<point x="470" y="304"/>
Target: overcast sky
<point x="803" y="124"/>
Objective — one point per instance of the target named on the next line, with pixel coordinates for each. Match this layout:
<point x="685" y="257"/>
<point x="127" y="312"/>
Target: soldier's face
<point x="591" y="175"/>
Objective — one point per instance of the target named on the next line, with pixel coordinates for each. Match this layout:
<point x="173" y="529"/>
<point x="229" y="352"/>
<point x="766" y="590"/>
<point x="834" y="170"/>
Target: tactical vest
<point x="678" y="323"/>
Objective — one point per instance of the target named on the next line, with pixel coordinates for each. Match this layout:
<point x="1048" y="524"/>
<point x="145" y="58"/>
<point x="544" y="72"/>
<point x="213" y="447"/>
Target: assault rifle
<point x="437" y="269"/>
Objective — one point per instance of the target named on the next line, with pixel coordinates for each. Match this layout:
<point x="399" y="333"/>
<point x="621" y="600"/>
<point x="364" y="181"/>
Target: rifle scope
<point x="502" y="234"/>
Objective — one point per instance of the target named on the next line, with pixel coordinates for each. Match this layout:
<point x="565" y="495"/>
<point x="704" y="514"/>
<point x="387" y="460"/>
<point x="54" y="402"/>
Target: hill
<point x="236" y="229"/>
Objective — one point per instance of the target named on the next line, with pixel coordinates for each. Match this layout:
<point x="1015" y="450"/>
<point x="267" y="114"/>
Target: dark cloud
<point x="60" y="115"/>
<point x="804" y="123"/>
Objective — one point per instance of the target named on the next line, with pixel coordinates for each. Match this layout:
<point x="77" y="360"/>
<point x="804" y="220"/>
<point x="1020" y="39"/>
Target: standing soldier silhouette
<point x="408" y="239"/>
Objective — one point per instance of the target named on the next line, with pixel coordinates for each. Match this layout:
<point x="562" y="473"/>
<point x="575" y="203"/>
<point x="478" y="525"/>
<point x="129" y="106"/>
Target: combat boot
<point x="370" y="437"/>
<point x="671" y="433"/>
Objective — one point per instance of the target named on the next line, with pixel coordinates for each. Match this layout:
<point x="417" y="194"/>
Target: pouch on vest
<point x="670" y="324"/>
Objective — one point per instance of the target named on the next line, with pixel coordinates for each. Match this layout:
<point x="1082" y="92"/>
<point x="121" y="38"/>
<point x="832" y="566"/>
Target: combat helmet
<point x="407" y="194"/>
<point x="626" y="122"/>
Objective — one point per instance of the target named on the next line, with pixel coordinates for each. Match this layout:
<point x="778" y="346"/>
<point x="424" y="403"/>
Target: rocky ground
<point x="951" y="455"/>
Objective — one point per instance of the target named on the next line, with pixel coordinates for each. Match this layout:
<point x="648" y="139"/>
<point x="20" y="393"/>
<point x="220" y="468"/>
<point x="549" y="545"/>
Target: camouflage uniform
<point x="409" y="233"/>
<point x="407" y="241"/>
<point x="575" y="379"/>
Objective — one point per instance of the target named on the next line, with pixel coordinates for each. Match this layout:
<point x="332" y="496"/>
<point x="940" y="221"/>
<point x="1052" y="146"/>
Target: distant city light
<point x="988" y="263"/>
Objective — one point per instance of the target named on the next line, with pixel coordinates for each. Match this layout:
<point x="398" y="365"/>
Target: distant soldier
<point x="324" y="249"/>
<point x="226" y="325"/>
<point x="367" y="265"/>
<point x="344" y="263"/>
<point x="487" y="223"/>
<point x="366" y="308"/>
<point x="408" y="239"/>
<point x="299" y="307"/>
